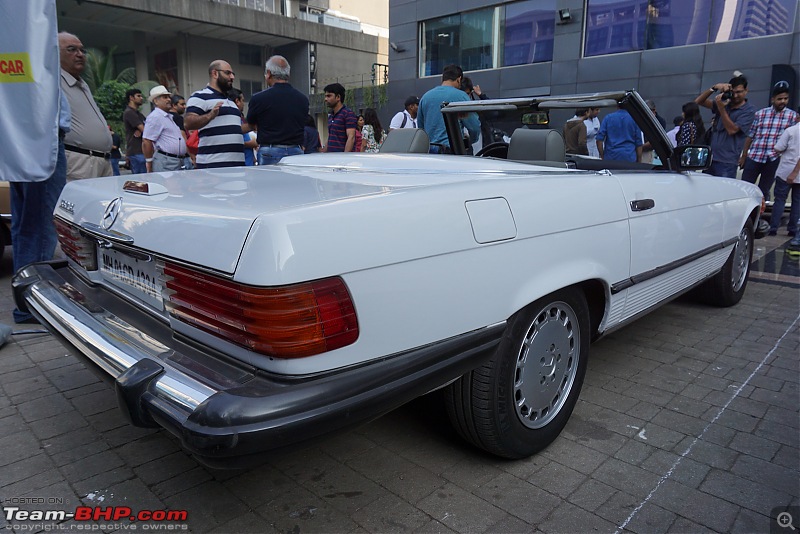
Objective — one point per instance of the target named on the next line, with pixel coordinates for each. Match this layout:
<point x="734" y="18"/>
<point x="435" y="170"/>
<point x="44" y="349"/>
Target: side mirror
<point x="692" y="157"/>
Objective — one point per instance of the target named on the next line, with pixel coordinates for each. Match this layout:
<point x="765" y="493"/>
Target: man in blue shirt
<point x="732" y="117"/>
<point x="429" y="115"/>
<point x="620" y="138"/>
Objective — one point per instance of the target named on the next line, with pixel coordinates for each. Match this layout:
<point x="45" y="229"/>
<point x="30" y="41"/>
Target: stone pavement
<point x="688" y="422"/>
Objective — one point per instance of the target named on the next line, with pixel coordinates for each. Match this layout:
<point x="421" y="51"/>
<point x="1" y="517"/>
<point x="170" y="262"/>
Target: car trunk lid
<point x="199" y="217"/>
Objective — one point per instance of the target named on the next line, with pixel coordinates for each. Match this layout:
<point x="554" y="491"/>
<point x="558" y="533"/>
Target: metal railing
<point x="258" y="5"/>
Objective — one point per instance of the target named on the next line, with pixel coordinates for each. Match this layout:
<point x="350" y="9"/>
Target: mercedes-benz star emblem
<point x="111" y="213"/>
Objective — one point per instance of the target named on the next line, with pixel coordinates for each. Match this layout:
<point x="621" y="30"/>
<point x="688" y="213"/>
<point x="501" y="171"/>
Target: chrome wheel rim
<point x="741" y="260"/>
<point x="547" y="363"/>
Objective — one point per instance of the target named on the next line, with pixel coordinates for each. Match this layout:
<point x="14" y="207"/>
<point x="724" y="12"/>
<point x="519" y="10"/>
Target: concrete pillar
<point x="140" y="56"/>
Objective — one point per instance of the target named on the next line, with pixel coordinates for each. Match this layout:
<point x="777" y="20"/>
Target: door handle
<point x="642" y="205"/>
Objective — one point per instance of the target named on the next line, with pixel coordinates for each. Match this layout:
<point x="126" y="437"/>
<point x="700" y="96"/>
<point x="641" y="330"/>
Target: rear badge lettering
<point x="67" y="206"/>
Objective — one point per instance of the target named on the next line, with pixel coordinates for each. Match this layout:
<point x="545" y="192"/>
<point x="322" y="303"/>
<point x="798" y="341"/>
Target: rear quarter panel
<point x="413" y="266"/>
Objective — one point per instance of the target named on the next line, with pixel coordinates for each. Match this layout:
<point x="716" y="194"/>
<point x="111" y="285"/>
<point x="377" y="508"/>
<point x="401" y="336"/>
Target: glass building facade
<point x="520" y="33"/>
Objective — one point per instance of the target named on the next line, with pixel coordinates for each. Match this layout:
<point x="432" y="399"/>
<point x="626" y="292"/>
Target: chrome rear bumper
<point x="219" y="409"/>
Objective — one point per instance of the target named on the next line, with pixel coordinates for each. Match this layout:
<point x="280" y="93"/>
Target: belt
<point x="170" y="155"/>
<point x="79" y="150"/>
<point x="282" y="146"/>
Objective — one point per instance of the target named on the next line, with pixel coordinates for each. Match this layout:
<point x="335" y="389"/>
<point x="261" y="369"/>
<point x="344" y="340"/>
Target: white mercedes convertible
<point x="250" y="309"/>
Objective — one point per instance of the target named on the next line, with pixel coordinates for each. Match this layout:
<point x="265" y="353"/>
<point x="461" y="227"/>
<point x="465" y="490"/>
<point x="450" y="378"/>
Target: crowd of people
<point x="763" y="143"/>
<point x="210" y="130"/>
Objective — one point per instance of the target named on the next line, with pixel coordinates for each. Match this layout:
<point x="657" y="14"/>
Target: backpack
<point x="405" y="120"/>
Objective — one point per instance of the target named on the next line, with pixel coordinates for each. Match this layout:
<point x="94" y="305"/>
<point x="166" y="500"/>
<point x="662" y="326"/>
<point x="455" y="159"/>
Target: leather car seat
<point x="406" y="140"/>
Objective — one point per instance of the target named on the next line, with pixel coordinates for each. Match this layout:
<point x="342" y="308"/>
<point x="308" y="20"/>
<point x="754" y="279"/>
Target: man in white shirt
<point x="787" y="179"/>
<point x="672" y="135"/>
<point x="408" y="117"/>
<point x="592" y="127"/>
<point x="162" y="141"/>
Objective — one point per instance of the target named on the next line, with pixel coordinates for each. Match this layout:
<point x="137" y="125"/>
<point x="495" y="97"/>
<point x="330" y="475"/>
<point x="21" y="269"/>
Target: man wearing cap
<point x="88" y="141"/>
<point x="758" y="155"/>
<point x="133" y="120"/>
<point x="408" y="117"/>
<point x="162" y="141"/>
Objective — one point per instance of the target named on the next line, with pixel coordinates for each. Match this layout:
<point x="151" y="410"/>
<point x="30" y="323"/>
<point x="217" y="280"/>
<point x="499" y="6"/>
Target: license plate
<point x="135" y="276"/>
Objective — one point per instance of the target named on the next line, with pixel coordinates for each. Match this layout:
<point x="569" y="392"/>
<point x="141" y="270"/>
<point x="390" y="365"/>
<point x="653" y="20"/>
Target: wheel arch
<point x="596" y="298"/>
<point x="596" y="292"/>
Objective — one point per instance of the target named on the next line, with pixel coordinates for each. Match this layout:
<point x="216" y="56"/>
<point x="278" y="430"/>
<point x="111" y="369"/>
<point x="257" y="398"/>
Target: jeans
<point x="752" y="169"/>
<point x="272" y="154"/>
<point x="439" y="149"/>
<point x="33" y="235"/>
<point x="114" y="165"/>
<point x="725" y="170"/>
<point x="137" y="164"/>
<point x="781" y="192"/>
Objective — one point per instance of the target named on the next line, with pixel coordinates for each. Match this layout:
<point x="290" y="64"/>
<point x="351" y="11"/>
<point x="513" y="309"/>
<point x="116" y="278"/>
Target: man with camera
<point x="732" y="118"/>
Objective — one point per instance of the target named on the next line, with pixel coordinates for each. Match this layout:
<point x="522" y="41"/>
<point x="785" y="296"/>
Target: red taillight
<point x="285" y="322"/>
<point x="79" y="248"/>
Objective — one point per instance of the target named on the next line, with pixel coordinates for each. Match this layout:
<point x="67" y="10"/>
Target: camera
<point x="727" y="95"/>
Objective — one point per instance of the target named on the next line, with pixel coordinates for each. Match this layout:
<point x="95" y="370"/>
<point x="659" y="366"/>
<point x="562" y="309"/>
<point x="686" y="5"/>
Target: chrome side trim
<point x="658" y="271"/>
<point x="107" y="340"/>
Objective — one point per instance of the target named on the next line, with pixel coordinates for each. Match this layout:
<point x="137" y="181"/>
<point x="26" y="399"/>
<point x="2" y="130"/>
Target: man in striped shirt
<point x="342" y="122"/>
<point x="218" y="120"/>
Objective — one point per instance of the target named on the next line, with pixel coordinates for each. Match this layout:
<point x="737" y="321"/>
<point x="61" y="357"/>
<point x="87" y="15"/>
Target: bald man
<point x="218" y="120"/>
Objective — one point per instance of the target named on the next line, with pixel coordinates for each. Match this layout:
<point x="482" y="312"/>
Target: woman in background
<point x="372" y="131"/>
<point x="692" y="130"/>
<point x="357" y="146"/>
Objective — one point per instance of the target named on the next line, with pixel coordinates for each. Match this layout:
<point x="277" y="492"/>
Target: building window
<point x="441" y="44"/>
<point x="477" y="40"/>
<point x="467" y="40"/>
<point x="528" y="32"/>
<point x="512" y="34"/>
<point x="166" y="67"/>
<point x="249" y="54"/>
<point x="249" y="88"/>
<point x="627" y="25"/>
<point x="751" y="18"/>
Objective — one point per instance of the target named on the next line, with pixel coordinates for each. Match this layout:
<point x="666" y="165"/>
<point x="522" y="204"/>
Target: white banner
<point x="29" y="81"/>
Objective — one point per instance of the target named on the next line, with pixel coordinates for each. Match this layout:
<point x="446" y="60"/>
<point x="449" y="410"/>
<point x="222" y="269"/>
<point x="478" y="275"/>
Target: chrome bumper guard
<point x="133" y="359"/>
<point x="226" y="414"/>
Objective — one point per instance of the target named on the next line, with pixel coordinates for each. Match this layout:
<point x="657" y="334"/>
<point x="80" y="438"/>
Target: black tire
<point x="518" y="402"/>
<point x="726" y="288"/>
